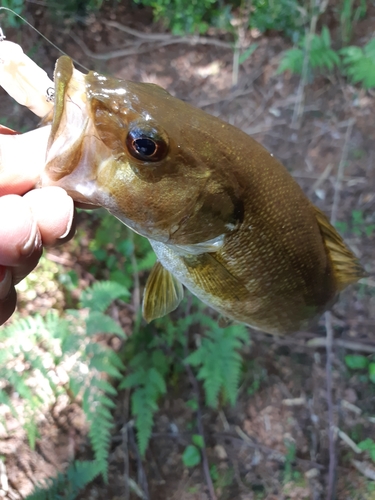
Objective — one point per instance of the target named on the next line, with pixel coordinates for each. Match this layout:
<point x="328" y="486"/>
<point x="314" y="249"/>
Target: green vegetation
<point x="153" y="358"/>
<point x="359" y="64"/>
<point x="191" y="455"/>
<point x="41" y="347"/>
<point x="321" y="55"/>
<point x="359" y="225"/>
<point x="68" y="485"/>
<point x="369" y="446"/>
<point x="297" y="20"/>
<point x="363" y="364"/>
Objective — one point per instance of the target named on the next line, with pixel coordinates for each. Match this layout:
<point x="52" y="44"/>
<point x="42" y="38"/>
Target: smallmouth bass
<point x="224" y="217"/>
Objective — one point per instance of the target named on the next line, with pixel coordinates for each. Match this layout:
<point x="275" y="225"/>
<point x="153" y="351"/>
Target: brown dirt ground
<point x="247" y="443"/>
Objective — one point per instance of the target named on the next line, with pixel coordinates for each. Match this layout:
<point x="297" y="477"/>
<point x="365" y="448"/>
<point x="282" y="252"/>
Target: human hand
<point x="28" y="222"/>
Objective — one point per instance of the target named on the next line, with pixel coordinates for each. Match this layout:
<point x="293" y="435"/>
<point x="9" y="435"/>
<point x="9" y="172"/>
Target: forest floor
<point x="274" y="444"/>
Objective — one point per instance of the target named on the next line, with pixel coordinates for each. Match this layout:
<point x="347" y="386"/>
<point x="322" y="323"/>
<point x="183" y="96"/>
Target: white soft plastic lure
<point x="23" y="79"/>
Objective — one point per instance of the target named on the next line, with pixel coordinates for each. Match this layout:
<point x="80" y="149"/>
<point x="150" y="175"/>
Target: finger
<point x="19" y="234"/>
<point x="5" y="282"/>
<point x="22" y="160"/>
<point x="8" y="305"/>
<point x="8" y="296"/>
<point x="26" y="265"/>
<point x="53" y="212"/>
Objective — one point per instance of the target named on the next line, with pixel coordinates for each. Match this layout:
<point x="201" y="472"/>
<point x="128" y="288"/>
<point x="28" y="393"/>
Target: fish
<point x="224" y="217"/>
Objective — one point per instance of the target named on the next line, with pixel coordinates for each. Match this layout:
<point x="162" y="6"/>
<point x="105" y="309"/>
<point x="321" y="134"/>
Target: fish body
<point x="224" y="217"/>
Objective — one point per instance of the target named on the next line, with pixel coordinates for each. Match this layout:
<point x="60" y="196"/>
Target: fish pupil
<point x="145" y="146"/>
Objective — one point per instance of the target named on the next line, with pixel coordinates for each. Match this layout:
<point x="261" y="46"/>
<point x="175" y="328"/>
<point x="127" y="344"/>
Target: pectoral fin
<point x="214" y="278"/>
<point x="163" y="293"/>
<point x="346" y="266"/>
<point x="209" y="246"/>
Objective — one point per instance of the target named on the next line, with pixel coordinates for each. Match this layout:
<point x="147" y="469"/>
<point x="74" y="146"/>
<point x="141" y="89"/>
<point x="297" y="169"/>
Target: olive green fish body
<point x="224" y="217"/>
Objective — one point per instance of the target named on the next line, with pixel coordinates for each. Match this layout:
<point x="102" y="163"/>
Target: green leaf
<point x="219" y="362"/>
<point x="99" y="296"/>
<point x="192" y="404"/>
<point x="247" y="53"/>
<point x="198" y="440"/>
<point x="359" y="64"/>
<point x="66" y="486"/>
<point x="371" y="372"/>
<point x="356" y="361"/>
<point x="292" y="60"/>
<point x="97" y="322"/>
<point x="191" y="456"/>
<point x="366" y="444"/>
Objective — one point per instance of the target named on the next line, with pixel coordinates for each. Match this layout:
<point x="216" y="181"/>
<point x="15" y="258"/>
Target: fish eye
<point x="146" y="145"/>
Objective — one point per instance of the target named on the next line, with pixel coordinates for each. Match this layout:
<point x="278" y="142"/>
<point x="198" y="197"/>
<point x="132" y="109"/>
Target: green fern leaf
<point x="97" y="322"/>
<point x="369" y="49"/>
<point x="67" y="486"/>
<point x="292" y="61"/>
<point x="100" y="420"/>
<point x="148" y="385"/>
<point x="143" y="408"/>
<point x="220" y="363"/>
<point x="102" y="294"/>
<point x="359" y="64"/>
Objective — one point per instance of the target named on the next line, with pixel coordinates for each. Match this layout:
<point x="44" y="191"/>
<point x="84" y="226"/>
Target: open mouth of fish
<point x="66" y="140"/>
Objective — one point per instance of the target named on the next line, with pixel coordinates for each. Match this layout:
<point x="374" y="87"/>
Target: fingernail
<point x="5" y="281"/>
<point x="69" y="223"/>
<point x="32" y="241"/>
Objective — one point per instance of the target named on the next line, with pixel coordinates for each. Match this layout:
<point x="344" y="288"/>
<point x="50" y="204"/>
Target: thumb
<point x="22" y="160"/>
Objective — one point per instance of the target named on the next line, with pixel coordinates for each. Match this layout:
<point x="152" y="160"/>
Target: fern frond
<point x="143" y="402"/>
<point x="321" y="55"/>
<point x="97" y="322"/>
<point x="97" y="408"/>
<point x="149" y="385"/>
<point x="220" y="363"/>
<point x="99" y="296"/>
<point x="66" y="486"/>
<point x="359" y="64"/>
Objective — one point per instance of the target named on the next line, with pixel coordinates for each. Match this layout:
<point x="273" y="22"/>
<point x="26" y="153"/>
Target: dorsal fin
<point x="346" y="266"/>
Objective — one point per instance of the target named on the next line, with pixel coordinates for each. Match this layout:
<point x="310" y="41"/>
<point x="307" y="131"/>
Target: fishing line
<point x="2" y="36"/>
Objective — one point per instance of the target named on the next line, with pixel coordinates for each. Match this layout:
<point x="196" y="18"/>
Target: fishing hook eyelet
<point x="50" y="94"/>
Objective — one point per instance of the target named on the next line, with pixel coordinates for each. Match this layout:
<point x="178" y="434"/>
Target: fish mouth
<point x="73" y="151"/>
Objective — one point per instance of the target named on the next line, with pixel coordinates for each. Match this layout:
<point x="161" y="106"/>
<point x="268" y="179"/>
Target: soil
<point x="250" y="444"/>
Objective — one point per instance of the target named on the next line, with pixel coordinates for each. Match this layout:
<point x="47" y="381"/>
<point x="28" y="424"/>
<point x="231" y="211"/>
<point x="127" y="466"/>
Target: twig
<point x="206" y="469"/>
<point x="322" y="177"/>
<point x="137" y="49"/>
<point x="275" y="454"/>
<point x="340" y="172"/>
<point x="243" y="438"/>
<point x="331" y="437"/>
<point x="240" y="39"/>
<point x="364" y="468"/>
<point x="329" y="329"/>
<point x="298" y="108"/>
<point x="346" y="344"/>
<point x="142" y="480"/>
<point x="165" y="37"/>
<point x="124" y="433"/>
<point x="348" y="441"/>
